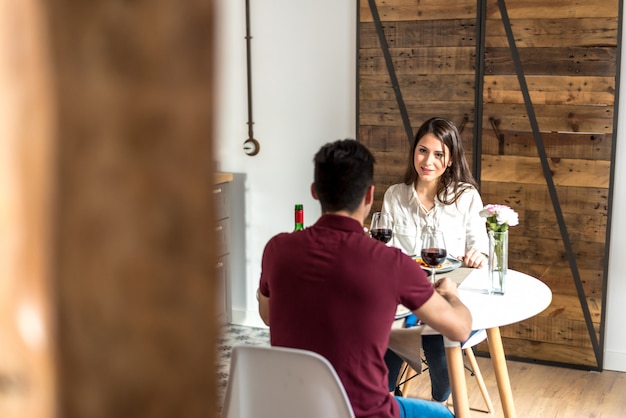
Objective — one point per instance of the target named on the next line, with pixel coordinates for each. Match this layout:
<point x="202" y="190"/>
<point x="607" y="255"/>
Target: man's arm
<point x="445" y="312"/>
<point x="264" y="307"/>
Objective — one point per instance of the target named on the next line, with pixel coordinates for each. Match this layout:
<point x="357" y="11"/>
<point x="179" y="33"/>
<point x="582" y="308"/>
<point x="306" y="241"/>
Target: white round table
<point x="524" y="297"/>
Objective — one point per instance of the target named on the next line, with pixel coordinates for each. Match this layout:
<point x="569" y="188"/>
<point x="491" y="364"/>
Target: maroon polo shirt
<point x="334" y="290"/>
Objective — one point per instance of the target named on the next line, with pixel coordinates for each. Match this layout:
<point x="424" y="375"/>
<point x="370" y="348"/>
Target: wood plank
<point x="553" y="32"/>
<point x="556" y="118"/>
<point x="428" y="62"/>
<point x="548" y="352"/>
<point x="568" y="307"/>
<point x="558" y="275"/>
<point x="384" y="138"/>
<point x="387" y="159"/>
<point x="539" y="9"/>
<point x="566" y="61"/>
<point x="527" y="170"/>
<point x="551" y="330"/>
<point x="535" y="197"/>
<point x="544" y="391"/>
<point x="420" y="34"/>
<point x="581" y="227"/>
<point x="454" y="88"/>
<point x="524" y="250"/>
<point x="552" y="90"/>
<point x="584" y="145"/>
<point x="386" y="113"/>
<point x="400" y="10"/>
<point x="560" y="279"/>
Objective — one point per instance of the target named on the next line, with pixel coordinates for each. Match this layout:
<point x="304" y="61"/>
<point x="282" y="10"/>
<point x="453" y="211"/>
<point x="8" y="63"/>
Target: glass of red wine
<point x="433" y="250"/>
<point x="381" y="227"/>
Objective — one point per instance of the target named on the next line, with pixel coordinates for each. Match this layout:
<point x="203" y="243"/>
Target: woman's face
<point x="431" y="158"/>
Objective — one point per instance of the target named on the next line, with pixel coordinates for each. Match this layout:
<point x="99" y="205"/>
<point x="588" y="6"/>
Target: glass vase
<point x="498" y="261"/>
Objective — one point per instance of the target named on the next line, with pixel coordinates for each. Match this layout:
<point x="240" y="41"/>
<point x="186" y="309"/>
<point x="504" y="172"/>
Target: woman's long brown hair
<point x="458" y="173"/>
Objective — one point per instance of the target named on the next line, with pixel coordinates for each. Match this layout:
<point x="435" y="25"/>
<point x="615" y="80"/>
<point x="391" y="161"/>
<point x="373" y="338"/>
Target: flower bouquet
<point x="499" y="219"/>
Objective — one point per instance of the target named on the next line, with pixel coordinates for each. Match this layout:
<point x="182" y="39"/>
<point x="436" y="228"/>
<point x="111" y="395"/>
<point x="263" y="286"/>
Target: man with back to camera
<point x="333" y="290"/>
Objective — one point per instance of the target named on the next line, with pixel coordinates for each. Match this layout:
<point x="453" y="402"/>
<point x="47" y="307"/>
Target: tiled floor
<point x="235" y="335"/>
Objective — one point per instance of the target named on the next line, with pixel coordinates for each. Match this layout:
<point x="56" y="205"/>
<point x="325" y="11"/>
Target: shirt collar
<point x="340" y="222"/>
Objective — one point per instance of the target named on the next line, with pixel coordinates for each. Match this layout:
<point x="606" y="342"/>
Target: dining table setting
<point x="525" y="297"/>
<point x="495" y="296"/>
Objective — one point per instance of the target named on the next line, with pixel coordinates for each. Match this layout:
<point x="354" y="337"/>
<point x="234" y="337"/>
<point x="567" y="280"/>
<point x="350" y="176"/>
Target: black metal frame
<point x="392" y="72"/>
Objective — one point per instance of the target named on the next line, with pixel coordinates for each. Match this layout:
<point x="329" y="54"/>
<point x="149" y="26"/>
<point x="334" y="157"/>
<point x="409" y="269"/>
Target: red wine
<point x="383" y="235"/>
<point x="434" y="256"/>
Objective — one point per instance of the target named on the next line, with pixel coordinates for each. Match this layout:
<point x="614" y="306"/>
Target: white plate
<point x="402" y="312"/>
<point x="450" y="264"/>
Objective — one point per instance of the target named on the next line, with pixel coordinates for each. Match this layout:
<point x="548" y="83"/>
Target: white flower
<point x="499" y="217"/>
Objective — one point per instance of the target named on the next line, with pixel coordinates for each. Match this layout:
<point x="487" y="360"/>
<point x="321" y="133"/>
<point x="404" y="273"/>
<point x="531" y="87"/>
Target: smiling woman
<point x="438" y="197"/>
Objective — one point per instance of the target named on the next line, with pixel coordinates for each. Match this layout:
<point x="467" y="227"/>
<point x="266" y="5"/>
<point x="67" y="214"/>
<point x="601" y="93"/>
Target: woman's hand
<point x="474" y="258"/>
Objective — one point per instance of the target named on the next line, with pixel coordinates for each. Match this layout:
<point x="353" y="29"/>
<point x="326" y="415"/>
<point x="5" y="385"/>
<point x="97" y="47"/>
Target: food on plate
<point x="425" y="265"/>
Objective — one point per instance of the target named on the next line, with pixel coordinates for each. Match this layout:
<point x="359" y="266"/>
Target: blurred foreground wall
<point x="106" y="260"/>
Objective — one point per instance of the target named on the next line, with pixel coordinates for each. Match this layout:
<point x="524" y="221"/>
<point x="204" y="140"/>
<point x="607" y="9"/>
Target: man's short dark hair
<point x="344" y="170"/>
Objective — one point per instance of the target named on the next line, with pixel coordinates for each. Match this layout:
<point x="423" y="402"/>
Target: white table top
<point x="525" y="297"/>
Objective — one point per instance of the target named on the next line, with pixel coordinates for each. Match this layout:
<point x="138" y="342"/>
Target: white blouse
<point x="460" y="222"/>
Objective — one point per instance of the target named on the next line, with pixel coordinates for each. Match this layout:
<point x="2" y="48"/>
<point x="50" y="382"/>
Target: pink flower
<point x="499" y="217"/>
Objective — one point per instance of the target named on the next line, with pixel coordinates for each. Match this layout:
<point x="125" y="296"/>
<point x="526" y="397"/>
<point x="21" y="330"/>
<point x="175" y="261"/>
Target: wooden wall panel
<point x="540" y="31"/>
<point x="410" y="10"/>
<point x="551" y="90"/>
<point x="575" y="145"/>
<point x="565" y="172"/>
<point x="556" y="9"/>
<point x="569" y="62"/>
<point x="415" y="34"/>
<point x="554" y="118"/>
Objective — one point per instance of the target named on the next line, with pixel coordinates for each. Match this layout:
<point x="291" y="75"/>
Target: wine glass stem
<point x="432" y="277"/>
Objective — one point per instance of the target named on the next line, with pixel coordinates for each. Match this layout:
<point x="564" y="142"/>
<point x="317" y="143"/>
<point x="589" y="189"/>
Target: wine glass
<point x="433" y="250"/>
<point x="381" y="227"/>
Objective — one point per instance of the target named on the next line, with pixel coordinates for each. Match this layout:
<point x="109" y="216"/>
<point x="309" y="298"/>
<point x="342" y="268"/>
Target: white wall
<point x="304" y="75"/>
<point x="304" y="67"/>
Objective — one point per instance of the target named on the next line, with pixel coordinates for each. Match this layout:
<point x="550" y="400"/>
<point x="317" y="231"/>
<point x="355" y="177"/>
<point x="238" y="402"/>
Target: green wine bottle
<point x="299" y="218"/>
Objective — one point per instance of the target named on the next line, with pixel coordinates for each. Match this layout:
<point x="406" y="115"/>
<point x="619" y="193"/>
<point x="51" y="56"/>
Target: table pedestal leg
<point x="458" y="386"/>
<point x="500" y="369"/>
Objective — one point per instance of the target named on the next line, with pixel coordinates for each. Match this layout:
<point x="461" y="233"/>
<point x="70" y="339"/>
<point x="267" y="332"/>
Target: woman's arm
<point x="476" y="241"/>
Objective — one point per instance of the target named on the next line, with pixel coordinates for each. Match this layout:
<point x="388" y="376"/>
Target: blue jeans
<point x="435" y="353"/>
<point x="419" y="408"/>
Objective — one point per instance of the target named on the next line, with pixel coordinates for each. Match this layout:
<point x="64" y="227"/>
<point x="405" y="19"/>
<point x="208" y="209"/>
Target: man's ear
<point x="369" y="195"/>
<point x="313" y="192"/>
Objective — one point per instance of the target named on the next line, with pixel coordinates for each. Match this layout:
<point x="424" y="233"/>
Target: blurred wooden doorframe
<point x="106" y="256"/>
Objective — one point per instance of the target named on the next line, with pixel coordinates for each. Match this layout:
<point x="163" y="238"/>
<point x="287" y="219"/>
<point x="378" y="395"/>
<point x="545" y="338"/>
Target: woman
<point x="440" y="193"/>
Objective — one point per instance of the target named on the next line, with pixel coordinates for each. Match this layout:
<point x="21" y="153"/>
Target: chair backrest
<point x="277" y="382"/>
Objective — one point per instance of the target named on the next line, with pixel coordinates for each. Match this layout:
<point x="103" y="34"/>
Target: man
<point x="332" y="289"/>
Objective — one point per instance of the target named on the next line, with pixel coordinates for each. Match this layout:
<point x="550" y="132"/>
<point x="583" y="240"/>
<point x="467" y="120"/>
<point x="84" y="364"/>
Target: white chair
<point x="277" y="382"/>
